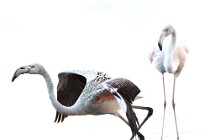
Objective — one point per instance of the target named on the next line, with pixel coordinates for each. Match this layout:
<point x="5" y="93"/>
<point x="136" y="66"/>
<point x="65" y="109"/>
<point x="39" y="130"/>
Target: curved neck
<point x="73" y="110"/>
<point x="169" y="52"/>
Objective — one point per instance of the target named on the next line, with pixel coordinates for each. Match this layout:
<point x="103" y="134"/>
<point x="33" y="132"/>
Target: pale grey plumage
<point x="90" y="92"/>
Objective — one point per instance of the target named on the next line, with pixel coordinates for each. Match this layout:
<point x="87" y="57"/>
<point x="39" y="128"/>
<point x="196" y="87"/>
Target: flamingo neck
<point x="73" y="110"/>
<point x="169" y="55"/>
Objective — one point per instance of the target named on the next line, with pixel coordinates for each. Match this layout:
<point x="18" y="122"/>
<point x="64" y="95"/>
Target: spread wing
<point x="71" y="84"/>
<point x="69" y="88"/>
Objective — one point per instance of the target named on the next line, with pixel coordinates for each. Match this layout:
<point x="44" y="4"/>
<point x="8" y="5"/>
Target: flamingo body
<point x="91" y="92"/>
<point x="170" y="59"/>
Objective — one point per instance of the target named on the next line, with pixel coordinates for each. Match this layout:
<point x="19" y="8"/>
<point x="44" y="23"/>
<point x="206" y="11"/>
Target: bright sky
<point x="107" y="35"/>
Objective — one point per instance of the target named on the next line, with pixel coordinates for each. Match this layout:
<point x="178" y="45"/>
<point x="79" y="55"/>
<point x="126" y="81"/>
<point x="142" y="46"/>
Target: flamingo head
<point x="31" y="69"/>
<point x="165" y="32"/>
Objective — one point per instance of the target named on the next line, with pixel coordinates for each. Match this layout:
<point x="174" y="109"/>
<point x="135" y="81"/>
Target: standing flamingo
<point x="171" y="59"/>
<point x="91" y="92"/>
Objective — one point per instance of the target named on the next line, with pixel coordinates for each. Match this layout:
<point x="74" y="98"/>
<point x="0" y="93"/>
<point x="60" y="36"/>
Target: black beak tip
<point x="160" y="46"/>
<point x="13" y="78"/>
<point x="15" y="75"/>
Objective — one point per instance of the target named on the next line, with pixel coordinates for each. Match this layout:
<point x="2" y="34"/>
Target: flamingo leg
<point x="150" y="112"/>
<point x="126" y="121"/>
<point x="122" y="118"/>
<point x="173" y="105"/>
<point x="164" y="112"/>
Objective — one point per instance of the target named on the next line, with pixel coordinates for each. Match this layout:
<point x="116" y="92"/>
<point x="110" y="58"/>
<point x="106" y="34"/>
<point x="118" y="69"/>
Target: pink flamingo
<point x="169" y="59"/>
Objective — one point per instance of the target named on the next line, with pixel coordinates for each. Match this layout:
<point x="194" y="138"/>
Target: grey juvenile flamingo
<point x="91" y="92"/>
<point x="171" y="59"/>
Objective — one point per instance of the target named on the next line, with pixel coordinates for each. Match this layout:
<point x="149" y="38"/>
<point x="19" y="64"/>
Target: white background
<point x="110" y="36"/>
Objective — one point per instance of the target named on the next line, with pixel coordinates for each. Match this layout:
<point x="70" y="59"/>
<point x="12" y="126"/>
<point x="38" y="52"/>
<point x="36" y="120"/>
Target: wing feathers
<point x="69" y="88"/>
<point x="125" y="87"/>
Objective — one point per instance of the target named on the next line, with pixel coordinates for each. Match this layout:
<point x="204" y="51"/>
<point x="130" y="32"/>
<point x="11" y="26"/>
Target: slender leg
<point x="126" y="121"/>
<point x="122" y="118"/>
<point x="164" y="106"/>
<point x="164" y="112"/>
<point x="173" y="105"/>
<point x="150" y="112"/>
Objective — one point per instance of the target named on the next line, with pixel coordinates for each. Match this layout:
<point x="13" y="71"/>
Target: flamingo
<point x="91" y="92"/>
<point x="170" y="59"/>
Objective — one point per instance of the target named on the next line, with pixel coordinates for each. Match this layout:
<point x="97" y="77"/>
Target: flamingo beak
<point x="18" y="72"/>
<point x="14" y="77"/>
<point x="160" y="46"/>
<point x="160" y="41"/>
